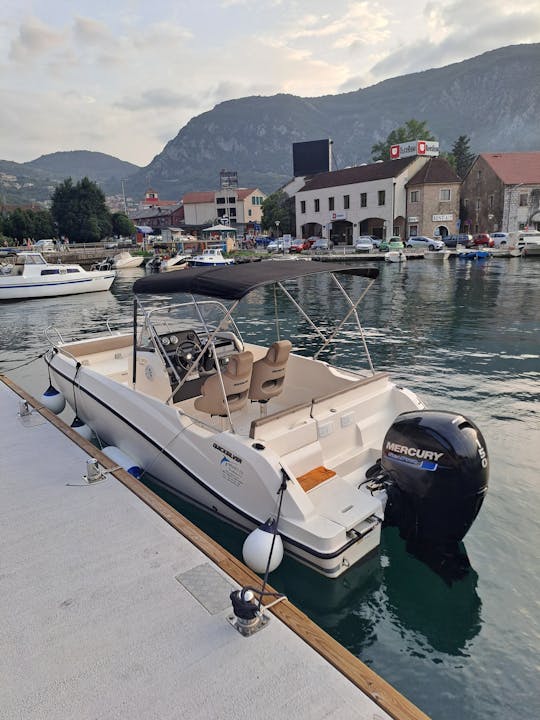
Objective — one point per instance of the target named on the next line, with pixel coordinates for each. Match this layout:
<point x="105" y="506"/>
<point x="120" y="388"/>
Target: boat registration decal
<point x="231" y="466"/>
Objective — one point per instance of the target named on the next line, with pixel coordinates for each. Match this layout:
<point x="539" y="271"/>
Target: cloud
<point x="157" y="99"/>
<point x="34" y="39"/>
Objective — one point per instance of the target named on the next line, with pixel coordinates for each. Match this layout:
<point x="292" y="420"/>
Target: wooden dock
<point x="116" y="606"/>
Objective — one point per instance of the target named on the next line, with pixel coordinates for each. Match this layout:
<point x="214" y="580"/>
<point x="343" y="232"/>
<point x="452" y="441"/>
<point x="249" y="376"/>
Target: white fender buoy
<point x="120" y="458"/>
<point x="53" y="400"/>
<point x="257" y="546"/>
<point x="81" y="428"/>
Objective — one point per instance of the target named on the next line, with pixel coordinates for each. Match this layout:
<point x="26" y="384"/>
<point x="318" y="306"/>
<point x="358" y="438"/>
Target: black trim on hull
<point x="234" y="508"/>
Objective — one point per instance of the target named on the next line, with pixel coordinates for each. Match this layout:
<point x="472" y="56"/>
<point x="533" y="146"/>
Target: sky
<point x="123" y="77"/>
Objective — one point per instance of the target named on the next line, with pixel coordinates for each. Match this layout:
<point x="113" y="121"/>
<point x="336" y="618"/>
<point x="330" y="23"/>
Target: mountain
<point x="493" y="98"/>
<point x="36" y="180"/>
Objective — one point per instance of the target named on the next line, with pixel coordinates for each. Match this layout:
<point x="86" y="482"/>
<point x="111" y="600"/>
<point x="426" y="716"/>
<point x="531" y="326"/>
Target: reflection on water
<point x="464" y="336"/>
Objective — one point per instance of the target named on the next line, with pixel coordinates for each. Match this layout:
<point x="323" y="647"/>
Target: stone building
<point x="501" y="192"/>
<point x="241" y="208"/>
<point x="433" y="200"/>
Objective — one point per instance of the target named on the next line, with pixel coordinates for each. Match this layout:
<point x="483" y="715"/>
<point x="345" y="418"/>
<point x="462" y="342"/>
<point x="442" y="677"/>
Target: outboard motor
<point x="436" y="467"/>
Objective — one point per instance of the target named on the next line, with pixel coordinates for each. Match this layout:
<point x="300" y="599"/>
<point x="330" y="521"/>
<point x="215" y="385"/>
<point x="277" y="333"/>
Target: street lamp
<point x="277" y="236"/>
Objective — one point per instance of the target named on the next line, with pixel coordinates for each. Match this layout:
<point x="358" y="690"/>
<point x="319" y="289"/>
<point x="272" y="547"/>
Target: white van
<point x="46" y="245"/>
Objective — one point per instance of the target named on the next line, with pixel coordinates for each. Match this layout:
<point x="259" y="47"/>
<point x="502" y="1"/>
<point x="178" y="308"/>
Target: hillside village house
<point x="415" y="195"/>
<point x="241" y="208"/>
<point x="501" y="191"/>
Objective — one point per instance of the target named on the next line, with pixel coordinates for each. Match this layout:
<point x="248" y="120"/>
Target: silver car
<point x="423" y="242"/>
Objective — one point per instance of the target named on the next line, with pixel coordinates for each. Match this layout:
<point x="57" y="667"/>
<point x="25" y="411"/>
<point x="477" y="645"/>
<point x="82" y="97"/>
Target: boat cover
<point x="233" y="282"/>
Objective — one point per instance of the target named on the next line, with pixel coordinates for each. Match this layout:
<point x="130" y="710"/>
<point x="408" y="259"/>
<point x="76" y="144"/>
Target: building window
<point x="317" y="205"/>
<point x="414" y="196"/>
<point x="413" y="230"/>
<point x="220" y="201"/>
<point x="232" y="200"/>
<point x="232" y="212"/>
<point x="330" y="203"/>
<point x="302" y="206"/>
<point x="466" y="203"/>
<point x="221" y="212"/>
<point x="363" y="199"/>
<point x="490" y="202"/>
<point x="382" y="197"/>
<point x="523" y="199"/>
<point x="249" y="213"/>
<point x="346" y="202"/>
<point x="477" y="204"/>
<point x="445" y="195"/>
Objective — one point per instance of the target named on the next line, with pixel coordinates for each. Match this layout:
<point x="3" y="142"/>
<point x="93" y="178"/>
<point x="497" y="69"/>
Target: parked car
<point x="500" y="239"/>
<point x="422" y="242"/>
<point x="322" y="244"/>
<point x="376" y="241"/>
<point x="278" y="246"/>
<point x="298" y="245"/>
<point x="364" y="244"/>
<point x="452" y="241"/>
<point x="482" y="240"/>
<point x="393" y="243"/>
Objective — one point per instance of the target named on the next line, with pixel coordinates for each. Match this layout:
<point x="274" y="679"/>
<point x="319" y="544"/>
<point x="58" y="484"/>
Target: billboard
<point x="312" y="157"/>
<point x="427" y="148"/>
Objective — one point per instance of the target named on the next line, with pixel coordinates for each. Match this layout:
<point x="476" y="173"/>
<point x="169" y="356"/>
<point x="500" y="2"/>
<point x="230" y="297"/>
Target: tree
<point x="412" y="130"/>
<point x="463" y="157"/>
<point x="279" y="207"/>
<point x="80" y="211"/>
<point x="122" y="225"/>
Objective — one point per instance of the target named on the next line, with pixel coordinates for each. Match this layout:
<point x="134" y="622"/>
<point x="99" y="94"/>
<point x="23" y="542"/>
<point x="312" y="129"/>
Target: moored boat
<point x="127" y="260"/>
<point x="28" y="275"/>
<point x="210" y="257"/>
<point x="395" y="256"/>
<point x="260" y="435"/>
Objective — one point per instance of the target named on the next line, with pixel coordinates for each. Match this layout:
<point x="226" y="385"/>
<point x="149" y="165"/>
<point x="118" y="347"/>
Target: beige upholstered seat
<point x="236" y="379"/>
<point x="269" y="372"/>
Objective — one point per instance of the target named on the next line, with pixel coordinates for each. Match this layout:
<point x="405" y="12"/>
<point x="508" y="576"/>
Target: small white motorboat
<point x="210" y="257"/>
<point x="274" y="441"/>
<point x="395" y="256"/>
<point x="28" y="275"/>
<point x="176" y="262"/>
<point x="127" y="260"/>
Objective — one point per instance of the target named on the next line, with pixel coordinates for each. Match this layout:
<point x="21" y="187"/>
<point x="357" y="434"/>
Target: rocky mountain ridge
<point x="493" y="98"/>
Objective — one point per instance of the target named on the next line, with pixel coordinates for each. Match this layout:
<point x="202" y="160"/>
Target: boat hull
<point x="18" y="288"/>
<point x="155" y="436"/>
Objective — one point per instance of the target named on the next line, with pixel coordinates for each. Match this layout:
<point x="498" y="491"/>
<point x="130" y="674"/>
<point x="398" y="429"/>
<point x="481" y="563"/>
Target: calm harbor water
<point x="464" y="336"/>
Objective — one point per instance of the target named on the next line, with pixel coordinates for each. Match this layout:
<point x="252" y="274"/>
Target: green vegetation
<point x="78" y="212"/>
<point x="412" y="130"/>
<point x="462" y="155"/>
<point x="279" y="207"/>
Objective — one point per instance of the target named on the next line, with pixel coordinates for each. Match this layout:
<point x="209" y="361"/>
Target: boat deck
<point x="108" y="611"/>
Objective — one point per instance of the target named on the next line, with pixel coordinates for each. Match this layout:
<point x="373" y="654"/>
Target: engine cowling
<point x="438" y="468"/>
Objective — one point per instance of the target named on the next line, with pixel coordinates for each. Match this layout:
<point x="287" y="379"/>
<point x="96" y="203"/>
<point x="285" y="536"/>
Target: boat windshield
<point x="30" y="259"/>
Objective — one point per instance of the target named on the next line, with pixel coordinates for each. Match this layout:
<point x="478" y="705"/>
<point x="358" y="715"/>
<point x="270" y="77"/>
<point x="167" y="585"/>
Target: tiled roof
<point x="208" y="196"/>
<point x="436" y="170"/>
<point x="515" y="168"/>
<point x="198" y="197"/>
<point x="358" y="174"/>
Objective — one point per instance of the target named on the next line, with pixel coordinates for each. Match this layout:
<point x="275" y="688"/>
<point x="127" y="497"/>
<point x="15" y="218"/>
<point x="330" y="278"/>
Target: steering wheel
<point x="186" y="352"/>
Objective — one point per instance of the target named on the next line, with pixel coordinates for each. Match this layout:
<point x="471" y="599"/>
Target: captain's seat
<point x="269" y="373"/>
<point x="236" y="379"/>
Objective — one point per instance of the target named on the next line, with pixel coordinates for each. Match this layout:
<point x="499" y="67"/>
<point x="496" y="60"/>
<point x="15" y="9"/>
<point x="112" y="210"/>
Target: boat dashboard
<point x="182" y="348"/>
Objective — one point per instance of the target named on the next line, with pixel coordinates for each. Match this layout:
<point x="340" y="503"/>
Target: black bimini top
<point x="233" y="282"/>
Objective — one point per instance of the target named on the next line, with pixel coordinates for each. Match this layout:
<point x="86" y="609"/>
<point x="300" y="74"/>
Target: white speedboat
<point x="127" y="260"/>
<point x="437" y="255"/>
<point x="175" y="262"/>
<point x="275" y="442"/>
<point x="210" y="257"/>
<point x="29" y="275"/>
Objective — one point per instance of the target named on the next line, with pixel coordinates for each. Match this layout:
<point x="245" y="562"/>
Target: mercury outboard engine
<point x="435" y="466"/>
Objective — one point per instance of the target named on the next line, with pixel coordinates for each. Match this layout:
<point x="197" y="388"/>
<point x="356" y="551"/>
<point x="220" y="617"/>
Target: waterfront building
<point x="240" y="208"/>
<point x="372" y="199"/>
<point x="501" y="192"/>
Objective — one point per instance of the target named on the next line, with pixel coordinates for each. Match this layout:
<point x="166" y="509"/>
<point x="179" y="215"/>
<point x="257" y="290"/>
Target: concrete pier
<point x="115" y="606"/>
